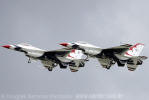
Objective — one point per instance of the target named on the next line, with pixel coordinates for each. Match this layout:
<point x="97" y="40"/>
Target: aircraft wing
<point x="116" y="50"/>
<point x="59" y="52"/>
<point x="50" y="58"/>
<point x="63" y="57"/>
<point x="125" y="46"/>
<point x="111" y="52"/>
<point x="69" y="54"/>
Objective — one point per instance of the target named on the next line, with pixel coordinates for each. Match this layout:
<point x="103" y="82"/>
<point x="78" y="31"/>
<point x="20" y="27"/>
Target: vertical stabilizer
<point x="134" y="50"/>
<point x="75" y="54"/>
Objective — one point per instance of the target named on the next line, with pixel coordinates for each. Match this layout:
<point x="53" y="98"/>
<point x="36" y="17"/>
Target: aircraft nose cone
<point x="64" y="44"/>
<point x="6" y="46"/>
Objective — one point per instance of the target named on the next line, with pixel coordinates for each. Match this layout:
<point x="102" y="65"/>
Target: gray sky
<point x="46" y="23"/>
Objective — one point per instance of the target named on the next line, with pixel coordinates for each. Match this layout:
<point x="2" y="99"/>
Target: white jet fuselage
<point x="89" y="49"/>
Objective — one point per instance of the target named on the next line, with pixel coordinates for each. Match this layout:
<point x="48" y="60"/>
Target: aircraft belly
<point x="63" y="59"/>
<point x="121" y="57"/>
<point x="92" y="52"/>
<point x="34" y="54"/>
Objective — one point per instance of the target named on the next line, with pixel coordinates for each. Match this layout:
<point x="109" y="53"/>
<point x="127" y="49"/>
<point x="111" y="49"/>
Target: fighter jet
<point x="63" y="57"/>
<point x="125" y="54"/>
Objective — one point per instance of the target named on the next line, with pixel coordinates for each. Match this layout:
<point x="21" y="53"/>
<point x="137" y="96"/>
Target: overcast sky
<point x="46" y="23"/>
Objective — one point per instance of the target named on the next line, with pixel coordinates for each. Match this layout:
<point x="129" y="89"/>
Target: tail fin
<point x="134" y="50"/>
<point x="75" y="54"/>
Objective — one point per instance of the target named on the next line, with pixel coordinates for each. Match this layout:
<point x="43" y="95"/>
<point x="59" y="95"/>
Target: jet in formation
<point x="76" y="54"/>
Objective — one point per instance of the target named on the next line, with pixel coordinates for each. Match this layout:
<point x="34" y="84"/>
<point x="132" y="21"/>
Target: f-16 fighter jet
<point x="50" y="59"/>
<point x="126" y="54"/>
